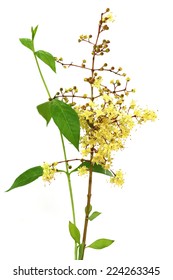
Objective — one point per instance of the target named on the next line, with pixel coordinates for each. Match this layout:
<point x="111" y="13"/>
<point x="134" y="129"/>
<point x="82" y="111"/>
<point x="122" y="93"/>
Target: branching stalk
<point x="87" y="211"/>
<point x="64" y="151"/>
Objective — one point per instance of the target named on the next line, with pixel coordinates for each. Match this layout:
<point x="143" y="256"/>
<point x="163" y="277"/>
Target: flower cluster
<point x="118" y="179"/>
<point x="84" y="38"/>
<point x="107" y="116"/>
<point x="102" y="48"/>
<point x="49" y="171"/>
<point x="106" y="123"/>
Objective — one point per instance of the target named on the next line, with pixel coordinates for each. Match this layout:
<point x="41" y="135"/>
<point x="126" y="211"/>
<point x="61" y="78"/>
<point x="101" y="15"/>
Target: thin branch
<point x="91" y="69"/>
<point x="75" y="159"/>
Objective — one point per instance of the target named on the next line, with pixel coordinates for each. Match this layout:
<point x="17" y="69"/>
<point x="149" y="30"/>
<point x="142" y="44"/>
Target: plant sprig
<point x="97" y="128"/>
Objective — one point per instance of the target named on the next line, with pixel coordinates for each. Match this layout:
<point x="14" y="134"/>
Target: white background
<point x="34" y="219"/>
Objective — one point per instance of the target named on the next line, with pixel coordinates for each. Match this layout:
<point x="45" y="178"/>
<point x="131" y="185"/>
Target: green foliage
<point x="64" y="117"/>
<point x="96" y="168"/>
<point x="67" y="121"/>
<point x="27" y="43"/>
<point x="100" y="243"/>
<point x="94" y="215"/>
<point x="47" y="58"/>
<point x="74" y="232"/>
<point x="34" y="31"/>
<point x="90" y="209"/>
<point x="44" y="110"/>
<point x="27" y="177"/>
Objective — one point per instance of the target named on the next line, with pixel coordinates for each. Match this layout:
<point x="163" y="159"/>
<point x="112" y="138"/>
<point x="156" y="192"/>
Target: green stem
<point x="70" y="189"/>
<point x="64" y="151"/>
<point x="41" y="75"/>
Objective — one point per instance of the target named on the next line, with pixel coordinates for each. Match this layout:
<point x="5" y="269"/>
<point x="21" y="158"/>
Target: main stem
<point x="88" y="207"/>
<point x="65" y="155"/>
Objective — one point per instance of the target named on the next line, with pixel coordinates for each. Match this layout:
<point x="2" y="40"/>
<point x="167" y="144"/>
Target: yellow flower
<point x="99" y="112"/>
<point x="97" y="82"/>
<point x="87" y="114"/>
<point x="108" y="17"/>
<point x="149" y="115"/>
<point x="132" y="104"/>
<point x="82" y="170"/>
<point x="106" y="97"/>
<point x="48" y="171"/>
<point x="118" y="179"/>
<point x="137" y="112"/>
<point x="92" y="104"/>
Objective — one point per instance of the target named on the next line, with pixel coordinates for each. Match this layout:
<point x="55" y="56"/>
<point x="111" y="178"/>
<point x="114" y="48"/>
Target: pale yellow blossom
<point x="82" y="170"/>
<point x="149" y="115"/>
<point x="48" y="171"/>
<point x="118" y="179"/>
<point x="132" y="104"/>
<point x="106" y="123"/>
<point x="108" y="17"/>
<point x="97" y="82"/>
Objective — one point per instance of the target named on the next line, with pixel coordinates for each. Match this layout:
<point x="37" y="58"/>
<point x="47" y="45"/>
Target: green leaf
<point x="101" y="243"/>
<point x="74" y="232"/>
<point x="27" y="43"/>
<point x="44" y="110"/>
<point x="67" y="121"/>
<point x="94" y="215"/>
<point x="34" y="31"/>
<point x="47" y="58"/>
<point x="27" y="177"/>
<point x="96" y="168"/>
<point x="90" y="209"/>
